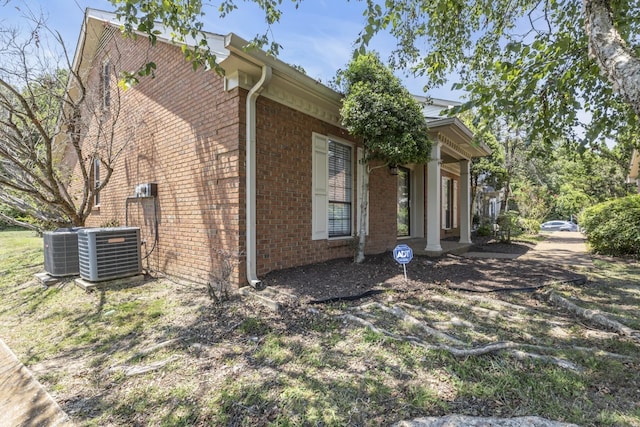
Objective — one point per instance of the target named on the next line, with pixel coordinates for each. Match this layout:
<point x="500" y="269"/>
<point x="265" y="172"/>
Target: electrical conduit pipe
<point x="252" y="96"/>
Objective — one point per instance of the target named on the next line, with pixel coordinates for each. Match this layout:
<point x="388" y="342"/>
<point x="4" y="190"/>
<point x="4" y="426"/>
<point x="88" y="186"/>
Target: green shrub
<point x="509" y="225"/>
<point x="613" y="227"/>
<point x="529" y="225"/>
<point x="484" y="230"/>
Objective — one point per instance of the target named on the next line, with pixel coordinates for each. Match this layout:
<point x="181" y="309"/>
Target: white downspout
<point x="250" y="223"/>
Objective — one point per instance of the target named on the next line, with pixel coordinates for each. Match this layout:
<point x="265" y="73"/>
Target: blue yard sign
<point x="403" y="254"/>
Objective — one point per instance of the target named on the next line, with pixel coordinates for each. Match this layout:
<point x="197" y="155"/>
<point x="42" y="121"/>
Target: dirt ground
<point x="378" y="273"/>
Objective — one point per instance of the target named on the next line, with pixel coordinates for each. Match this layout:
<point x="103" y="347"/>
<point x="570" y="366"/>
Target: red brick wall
<point x="284" y="172"/>
<point x="383" y="213"/>
<point x="184" y="135"/>
<point x="187" y="134"/>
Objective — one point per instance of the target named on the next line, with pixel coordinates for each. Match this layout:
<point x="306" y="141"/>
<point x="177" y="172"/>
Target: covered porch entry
<point x="434" y="200"/>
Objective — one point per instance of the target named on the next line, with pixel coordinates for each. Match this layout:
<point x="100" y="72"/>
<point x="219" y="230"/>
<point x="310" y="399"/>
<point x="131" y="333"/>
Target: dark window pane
<point x="340" y="189"/>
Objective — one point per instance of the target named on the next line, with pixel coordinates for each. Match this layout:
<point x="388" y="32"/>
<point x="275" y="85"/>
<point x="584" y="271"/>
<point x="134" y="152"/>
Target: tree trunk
<point x="615" y="59"/>
<point x="364" y="209"/>
<point x="474" y="198"/>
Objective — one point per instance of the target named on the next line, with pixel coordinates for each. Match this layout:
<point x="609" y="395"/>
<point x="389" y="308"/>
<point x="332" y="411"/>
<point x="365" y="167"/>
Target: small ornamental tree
<point x="51" y="120"/>
<point x="388" y="120"/>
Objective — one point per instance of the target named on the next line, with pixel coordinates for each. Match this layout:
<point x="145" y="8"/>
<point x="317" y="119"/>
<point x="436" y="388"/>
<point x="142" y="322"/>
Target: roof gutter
<point x="250" y="223"/>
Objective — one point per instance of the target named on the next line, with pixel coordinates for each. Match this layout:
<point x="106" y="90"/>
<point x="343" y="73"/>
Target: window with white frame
<point x="333" y="184"/>
<point x="340" y="191"/>
<point x="449" y="203"/>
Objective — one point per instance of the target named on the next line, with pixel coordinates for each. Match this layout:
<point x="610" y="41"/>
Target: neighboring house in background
<point x="634" y="169"/>
<point x="255" y="164"/>
<point x="488" y="202"/>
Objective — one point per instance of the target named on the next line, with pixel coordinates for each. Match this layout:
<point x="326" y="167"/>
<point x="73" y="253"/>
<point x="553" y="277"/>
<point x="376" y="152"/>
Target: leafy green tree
<point x="379" y="110"/>
<point x="531" y="200"/>
<point x="570" y="202"/>
<point x="576" y="180"/>
<point x="545" y="65"/>
<point x="553" y="67"/>
<point x="488" y="170"/>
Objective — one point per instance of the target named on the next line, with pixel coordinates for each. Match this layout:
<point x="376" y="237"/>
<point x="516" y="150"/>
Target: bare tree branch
<point x="53" y="121"/>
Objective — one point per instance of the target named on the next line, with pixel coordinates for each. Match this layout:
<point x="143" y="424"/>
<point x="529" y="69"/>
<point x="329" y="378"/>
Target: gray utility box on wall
<point x="61" y="252"/>
<point x="109" y="253"/>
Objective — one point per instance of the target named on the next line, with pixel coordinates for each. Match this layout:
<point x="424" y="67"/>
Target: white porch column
<point x="433" y="200"/>
<point x="465" y="203"/>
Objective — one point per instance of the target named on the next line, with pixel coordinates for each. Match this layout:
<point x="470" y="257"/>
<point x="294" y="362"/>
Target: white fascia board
<point x="282" y="70"/>
<point x="465" y="135"/>
<point x="215" y="41"/>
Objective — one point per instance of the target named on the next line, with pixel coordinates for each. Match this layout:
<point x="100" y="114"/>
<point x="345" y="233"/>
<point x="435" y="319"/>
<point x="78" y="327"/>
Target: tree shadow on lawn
<point x="242" y="363"/>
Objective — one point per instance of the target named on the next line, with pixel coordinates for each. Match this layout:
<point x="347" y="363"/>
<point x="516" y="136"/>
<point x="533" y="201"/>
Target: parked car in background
<point x="559" y="226"/>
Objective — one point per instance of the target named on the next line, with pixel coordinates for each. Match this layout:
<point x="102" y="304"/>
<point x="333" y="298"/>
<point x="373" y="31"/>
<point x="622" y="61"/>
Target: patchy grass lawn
<point x="161" y="353"/>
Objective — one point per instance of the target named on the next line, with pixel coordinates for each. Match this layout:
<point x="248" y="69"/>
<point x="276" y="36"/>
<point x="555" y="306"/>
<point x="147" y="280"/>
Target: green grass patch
<point x="21" y="255"/>
<point x="241" y="364"/>
<point x="254" y="326"/>
<point x="274" y="350"/>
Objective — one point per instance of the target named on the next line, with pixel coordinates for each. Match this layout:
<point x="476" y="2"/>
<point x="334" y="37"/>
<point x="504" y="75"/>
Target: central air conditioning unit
<point x="61" y="252"/>
<point x="109" y="253"/>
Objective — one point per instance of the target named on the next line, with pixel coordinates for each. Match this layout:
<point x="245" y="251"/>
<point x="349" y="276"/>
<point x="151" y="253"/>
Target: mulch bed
<point x="343" y="279"/>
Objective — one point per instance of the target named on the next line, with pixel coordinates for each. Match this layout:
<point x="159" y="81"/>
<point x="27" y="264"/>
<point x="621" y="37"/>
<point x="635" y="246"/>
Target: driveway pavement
<point x="23" y="400"/>
<point x="25" y="403"/>
<point x="565" y="248"/>
<point x="561" y="248"/>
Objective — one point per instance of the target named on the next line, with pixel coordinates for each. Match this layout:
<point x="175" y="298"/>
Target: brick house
<point x="255" y="164"/>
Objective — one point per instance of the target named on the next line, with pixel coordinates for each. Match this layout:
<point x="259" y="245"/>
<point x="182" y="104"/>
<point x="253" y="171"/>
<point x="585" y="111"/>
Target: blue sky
<point x="317" y="36"/>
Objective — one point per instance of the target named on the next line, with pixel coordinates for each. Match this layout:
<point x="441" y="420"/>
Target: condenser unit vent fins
<point x="109" y="253"/>
<point x="61" y="252"/>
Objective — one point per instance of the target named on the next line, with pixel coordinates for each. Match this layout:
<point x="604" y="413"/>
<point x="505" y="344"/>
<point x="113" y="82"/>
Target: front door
<point x="404" y="202"/>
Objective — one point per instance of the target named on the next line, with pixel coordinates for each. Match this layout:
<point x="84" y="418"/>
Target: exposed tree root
<point x="363" y="316"/>
<point x="145" y="352"/>
<point x="404" y="316"/>
<point x="512" y="347"/>
<point x="459" y="352"/>
<point x="463" y="301"/>
<point x="601" y="353"/>
<point x="454" y="322"/>
<point x="469" y="421"/>
<point x="594" y="316"/>
<point x="130" y="371"/>
<point x="501" y="303"/>
<point x="563" y="363"/>
<point x="484" y="312"/>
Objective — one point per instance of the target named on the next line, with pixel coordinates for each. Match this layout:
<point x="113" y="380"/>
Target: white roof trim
<point x="464" y="136"/>
<point x="216" y="41"/>
<point x="227" y="47"/>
